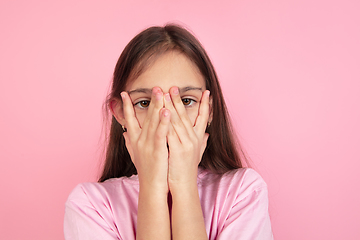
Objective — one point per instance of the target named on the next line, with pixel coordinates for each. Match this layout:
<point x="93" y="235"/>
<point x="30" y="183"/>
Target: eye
<point x="188" y="101"/>
<point x="142" y="104"/>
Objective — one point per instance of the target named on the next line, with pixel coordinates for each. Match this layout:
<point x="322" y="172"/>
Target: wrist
<point x="154" y="188"/>
<point x="186" y="189"/>
<point x="185" y="178"/>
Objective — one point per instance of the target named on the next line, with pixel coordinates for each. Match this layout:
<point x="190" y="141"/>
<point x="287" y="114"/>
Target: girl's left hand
<point x="186" y="141"/>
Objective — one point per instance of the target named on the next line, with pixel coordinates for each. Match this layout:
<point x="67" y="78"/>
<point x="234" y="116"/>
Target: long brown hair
<point x="223" y="152"/>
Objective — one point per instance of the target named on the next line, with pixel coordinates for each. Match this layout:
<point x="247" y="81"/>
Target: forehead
<point x="168" y="70"/>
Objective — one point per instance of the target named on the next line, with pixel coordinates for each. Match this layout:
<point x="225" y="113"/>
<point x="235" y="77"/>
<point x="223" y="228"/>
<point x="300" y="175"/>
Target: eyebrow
<point x="140" y="90"/>
<point x="181" y="90"/>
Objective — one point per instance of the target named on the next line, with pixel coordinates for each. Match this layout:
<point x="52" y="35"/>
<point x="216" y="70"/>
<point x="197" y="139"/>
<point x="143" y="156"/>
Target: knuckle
<point x="152" y="125"/>
<point x="159" y="135"/>
<point x="140" y="143"/>
<point x="189" y="147"/>
<point x="171" y="132"/>
<point x="177" y="122"/>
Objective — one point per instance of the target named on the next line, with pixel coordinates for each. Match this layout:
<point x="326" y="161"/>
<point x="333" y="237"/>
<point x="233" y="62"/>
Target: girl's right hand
<point x="147" y="145"/>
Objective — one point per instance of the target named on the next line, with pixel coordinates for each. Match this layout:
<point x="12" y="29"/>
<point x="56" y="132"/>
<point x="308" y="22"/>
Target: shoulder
<point x="94" y="208"/>
<point x="239" y="204"/>
<point x="245" y="178"/>
<point x="87" y="189"/>
<point x="236" y="184"/>
<point x="241" y="177"/>
<point x="245" y="183"/>
<point x="95" y="192"/>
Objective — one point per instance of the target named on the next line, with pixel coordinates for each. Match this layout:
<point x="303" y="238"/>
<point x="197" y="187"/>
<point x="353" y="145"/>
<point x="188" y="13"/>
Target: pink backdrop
<point x="289" y="71"/>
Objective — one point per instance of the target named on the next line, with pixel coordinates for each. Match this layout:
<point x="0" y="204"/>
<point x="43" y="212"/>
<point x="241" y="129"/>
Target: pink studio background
<point x="289" y="71"/>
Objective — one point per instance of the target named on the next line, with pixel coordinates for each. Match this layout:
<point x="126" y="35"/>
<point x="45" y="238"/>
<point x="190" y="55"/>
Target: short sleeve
<point x="82" y="221"/>
<point x="248" y="218"/>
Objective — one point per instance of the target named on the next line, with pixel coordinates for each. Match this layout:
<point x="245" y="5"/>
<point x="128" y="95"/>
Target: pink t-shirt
<point x="235" y="206"/>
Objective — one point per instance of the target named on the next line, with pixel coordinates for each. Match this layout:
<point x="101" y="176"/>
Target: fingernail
<point x="166" y="113"/>
<point x="158" y="96"/>
<point x="122" y="94"/>
<point x="155" y="90"/>
<point x="176" y="91"/>
<point x="167" y="97"/>
<point x="207" y="92"/>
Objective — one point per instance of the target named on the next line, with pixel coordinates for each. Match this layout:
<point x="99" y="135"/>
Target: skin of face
<point x="171" y="69"/>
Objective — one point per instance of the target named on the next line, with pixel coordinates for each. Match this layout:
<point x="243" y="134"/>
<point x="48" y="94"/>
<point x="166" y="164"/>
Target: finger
<point x="163" y="128"/>
<point x="176" y="122"/>
<point x="173" y="139"/>
<point x="204" y="112"/>
<point x="152" y="118"/>
<point x="179" y="106"/>
<point x="132" y="123"/>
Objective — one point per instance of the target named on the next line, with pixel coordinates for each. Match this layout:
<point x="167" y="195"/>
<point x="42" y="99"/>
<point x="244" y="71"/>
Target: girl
<point x="173" y="168"/>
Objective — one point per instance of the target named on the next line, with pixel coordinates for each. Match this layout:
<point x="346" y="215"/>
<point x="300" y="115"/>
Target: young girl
<point x="173" y="169"/>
